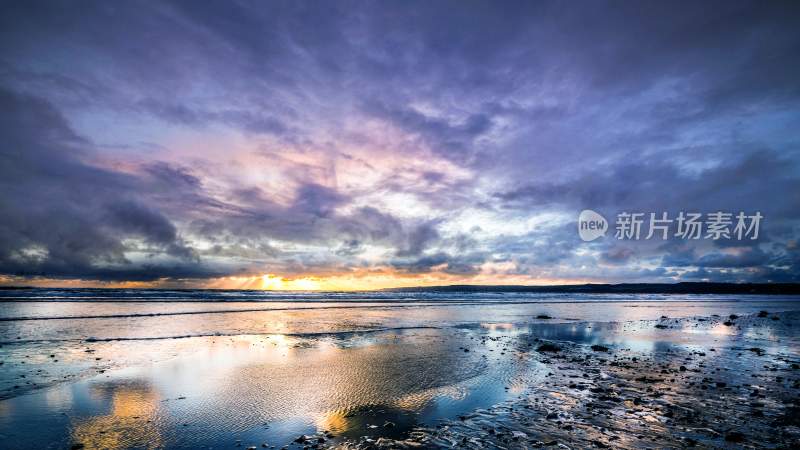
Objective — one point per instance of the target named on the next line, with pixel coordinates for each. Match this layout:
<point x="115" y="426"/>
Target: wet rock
<point x="727" y="323"/>
<point x="548" y="347"/>
<point x="661" y="327"/>
<point x="600" y="348"/>
<point x="763" y="314"/>
<point x="734" y="436"/>
<point x="733" y="317"/>
<point x="543" y="316"/>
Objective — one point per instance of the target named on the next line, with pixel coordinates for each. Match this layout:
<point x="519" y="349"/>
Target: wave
<point x="374" y="305"/>
<point x="309" y="334"/>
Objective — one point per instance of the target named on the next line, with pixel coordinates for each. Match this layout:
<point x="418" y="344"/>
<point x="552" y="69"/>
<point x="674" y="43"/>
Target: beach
<point x="228" y="369"/>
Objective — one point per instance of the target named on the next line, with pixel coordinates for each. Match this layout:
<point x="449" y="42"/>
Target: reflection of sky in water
<point x="231" y="387"/>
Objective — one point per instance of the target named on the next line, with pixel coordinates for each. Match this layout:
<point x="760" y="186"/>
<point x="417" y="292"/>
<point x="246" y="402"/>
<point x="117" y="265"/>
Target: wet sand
<point x="385" y="377"/>
<point x="696" y="391"/>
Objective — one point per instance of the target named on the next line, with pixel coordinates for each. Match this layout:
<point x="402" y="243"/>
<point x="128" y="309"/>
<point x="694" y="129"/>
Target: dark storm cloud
<point x="61" y="216"/>
<point x="544" y="107"/>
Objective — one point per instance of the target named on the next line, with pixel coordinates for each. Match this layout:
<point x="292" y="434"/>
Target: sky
<point x="374" y="144"/>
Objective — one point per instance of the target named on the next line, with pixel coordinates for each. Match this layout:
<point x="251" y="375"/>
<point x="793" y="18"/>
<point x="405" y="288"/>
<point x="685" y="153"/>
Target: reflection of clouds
<point x="129" y="422"/>
<point x="57" y="398"/>
<point x="324" y="383"/>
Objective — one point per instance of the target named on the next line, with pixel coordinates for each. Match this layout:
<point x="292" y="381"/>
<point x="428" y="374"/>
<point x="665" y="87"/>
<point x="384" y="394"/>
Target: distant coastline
<point x="624" y="288"/>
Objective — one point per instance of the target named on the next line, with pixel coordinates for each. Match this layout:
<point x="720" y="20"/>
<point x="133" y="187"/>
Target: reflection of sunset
<point x="130" y="422"/>
<point x="335" y="421"/>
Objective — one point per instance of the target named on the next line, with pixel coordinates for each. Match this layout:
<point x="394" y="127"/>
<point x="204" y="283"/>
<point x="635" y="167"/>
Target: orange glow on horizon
<point x="366" y="280"/>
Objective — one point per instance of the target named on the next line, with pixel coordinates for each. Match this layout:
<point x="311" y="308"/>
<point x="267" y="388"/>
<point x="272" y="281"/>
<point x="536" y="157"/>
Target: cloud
<point x="62" y="216"/>
<point x="234" y="139"/>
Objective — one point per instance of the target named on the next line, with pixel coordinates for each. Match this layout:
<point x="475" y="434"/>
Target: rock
<point x="734" y="436"/>
<point x="552" y="348"/>
<point x="763" y="314"/>
<point x="600" y="348"/>
<point x="517" y="435"/>
<point x="543" y="316"/>
<point x="727" y="323"/>
<point x="661" y="327"/>
<point x="733" y="317"/>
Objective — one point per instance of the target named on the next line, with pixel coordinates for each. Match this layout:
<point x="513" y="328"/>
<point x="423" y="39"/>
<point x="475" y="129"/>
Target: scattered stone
<point x="734" y="436"/>
<point x="517" y="435"/>
<point x="552" y="348"/>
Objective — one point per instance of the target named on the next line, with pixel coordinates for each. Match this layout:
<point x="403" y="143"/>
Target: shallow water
<point x="137" y="369"/>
